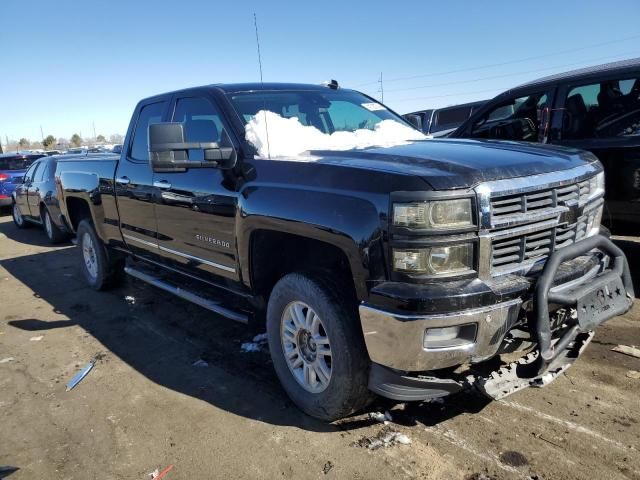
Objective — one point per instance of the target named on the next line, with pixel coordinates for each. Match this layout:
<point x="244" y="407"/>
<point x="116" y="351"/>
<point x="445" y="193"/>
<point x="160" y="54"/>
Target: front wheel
<point x="317" y="348"/>
<point x="100" y="268"/>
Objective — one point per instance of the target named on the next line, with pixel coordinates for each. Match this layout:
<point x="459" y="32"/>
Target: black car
<point x="35" y="202"/>
<point x="440" y="121"/>
<point x="595" y="109"/>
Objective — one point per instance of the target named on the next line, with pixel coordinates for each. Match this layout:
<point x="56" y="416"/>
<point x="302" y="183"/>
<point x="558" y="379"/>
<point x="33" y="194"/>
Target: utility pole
<point x="41" y="133"/>
<point x="94" y="130"/>
<point x="381" y="89"/>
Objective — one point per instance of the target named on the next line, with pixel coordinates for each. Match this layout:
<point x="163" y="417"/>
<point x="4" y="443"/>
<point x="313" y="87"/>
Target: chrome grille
<point x="510" y="251"/>
<point x="524" y="220"/>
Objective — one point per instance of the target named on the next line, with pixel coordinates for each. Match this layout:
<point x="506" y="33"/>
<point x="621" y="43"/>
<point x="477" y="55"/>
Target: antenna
<point x="264" y="109"/>
<point x="381" y="89"/>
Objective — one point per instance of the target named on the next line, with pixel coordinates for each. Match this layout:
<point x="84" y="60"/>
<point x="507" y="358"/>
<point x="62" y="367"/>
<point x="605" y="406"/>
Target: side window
<point x="28" y="176"/>
<point x="451" y="117"/>
<point x="602" y="110"/>
<point x="43" y="172"/>
<point x="514" y="119"/>
<point x="202" y="122"/>
<point x="151" y="113"/>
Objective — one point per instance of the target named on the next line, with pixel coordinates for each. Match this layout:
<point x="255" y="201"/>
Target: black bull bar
<point x="597" y="299"/>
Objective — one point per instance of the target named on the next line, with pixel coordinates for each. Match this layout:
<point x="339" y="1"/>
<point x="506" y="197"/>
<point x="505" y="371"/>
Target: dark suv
<point x="595" y="109"/>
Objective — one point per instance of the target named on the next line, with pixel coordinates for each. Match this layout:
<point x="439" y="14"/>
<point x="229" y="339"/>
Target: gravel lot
<point x="145" y="406"/>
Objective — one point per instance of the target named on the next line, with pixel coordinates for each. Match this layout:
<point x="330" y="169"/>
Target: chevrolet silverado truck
<point x="412" y="271"/>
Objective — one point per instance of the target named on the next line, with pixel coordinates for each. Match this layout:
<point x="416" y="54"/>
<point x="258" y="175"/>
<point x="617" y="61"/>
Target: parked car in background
<point x="53" y="152"/>
<point x="595" y="108"/>
<point x="77" y="151"/>
<point x="441" y="121"/>
<point x="12" y="169"/>
<point x="34" y="200"/>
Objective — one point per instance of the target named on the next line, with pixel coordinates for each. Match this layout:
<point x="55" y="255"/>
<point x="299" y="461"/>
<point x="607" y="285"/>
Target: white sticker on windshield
<point x="373" y="107"/>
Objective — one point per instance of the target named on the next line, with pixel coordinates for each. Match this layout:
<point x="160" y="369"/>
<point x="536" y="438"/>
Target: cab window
<point x="604" y="109"/>
<point x="202" y="122"/>
<point x="29" y="175"/>
<point x="151" y="113"/>
<point x="514" y="119"/>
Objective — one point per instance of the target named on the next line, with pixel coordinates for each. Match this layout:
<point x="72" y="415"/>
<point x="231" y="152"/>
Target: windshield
<point x="16" y="163"/>
<point x="291" y="123"/>
<point x="330" y="111"/>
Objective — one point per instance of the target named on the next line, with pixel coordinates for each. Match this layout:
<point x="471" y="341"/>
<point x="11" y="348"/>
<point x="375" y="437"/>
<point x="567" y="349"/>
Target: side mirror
<point x="168" y="152"/>
<point x="415" y="120"/>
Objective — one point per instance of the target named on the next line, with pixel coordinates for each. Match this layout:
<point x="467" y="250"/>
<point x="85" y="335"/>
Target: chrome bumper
<point x="397" y="341"/>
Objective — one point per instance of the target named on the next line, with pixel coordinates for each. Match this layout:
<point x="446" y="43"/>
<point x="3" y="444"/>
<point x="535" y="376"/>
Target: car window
<point x="202" y="122"/>
<point x="454" y="116"/>
<point x="16" y="163"/>
<point x="514" y="119"/>
<point x="606" y="109"/>
<point x="151" y="113"/>
<point x="42" y="172"/>
<point x="28" y="176"/>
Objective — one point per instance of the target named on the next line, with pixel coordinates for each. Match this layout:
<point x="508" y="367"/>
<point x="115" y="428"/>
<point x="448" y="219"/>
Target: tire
<point x="344" y="390"/>
<point x="18" y="220"/>
<point x="51" y="230"/>
<point x="101" y="268"/>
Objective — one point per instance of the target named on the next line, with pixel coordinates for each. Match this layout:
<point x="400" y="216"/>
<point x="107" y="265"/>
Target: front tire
<point x="317" y="347"/>
<point x="101" y="270"/>
<point x="54" y="234"/>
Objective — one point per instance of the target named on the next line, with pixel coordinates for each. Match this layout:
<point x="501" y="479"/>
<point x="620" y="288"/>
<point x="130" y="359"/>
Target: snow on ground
<point x="287" y="137"/>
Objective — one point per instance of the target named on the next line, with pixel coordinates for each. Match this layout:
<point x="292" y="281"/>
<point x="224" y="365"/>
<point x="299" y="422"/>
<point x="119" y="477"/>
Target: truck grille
<point x="509" y="252"/>
<point x="540" y="200"/>
<point x="524" y="220"/>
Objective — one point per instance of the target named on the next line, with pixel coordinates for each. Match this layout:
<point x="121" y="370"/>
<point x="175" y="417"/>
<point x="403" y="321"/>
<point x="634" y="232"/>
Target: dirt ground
<point x="145" y="406"/>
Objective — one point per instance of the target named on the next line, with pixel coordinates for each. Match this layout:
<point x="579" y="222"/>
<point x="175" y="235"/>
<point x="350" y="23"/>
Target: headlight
<point x="434" y="260"/>
<point x="436" y="215"/>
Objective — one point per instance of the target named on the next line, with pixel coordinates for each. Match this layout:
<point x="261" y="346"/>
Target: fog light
<point x="447" y="337"/>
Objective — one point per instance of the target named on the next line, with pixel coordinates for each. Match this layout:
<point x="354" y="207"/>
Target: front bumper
<point x="396" y="340"/>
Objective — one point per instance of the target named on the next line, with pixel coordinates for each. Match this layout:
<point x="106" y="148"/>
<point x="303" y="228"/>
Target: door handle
<point x="163" y="184"/>
<point x="123" y="180"/>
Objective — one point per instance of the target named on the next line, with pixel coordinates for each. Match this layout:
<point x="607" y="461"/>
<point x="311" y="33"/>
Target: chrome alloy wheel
<point x="306" y="347"/>
<point x="17" y="216"/>
<point x="89" y="256"/>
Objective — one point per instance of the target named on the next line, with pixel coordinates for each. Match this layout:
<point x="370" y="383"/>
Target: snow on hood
<point x="287" y="137"/>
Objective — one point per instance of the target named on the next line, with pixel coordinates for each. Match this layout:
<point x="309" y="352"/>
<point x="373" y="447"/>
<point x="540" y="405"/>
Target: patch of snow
<point x="130" y="300"/>
<point x="256" y="345"/>
<point x="36" y="339"/>
<point x="200" y="363"/>
<point x="7" y="360"/>
<point x="279" y="137"/>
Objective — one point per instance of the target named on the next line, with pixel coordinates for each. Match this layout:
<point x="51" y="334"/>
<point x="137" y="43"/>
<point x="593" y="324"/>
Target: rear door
<point x="36" y="188"/>
<point x="22" y="190"/>
<point x="196" y="209"/>
<point x="134" y="183"/>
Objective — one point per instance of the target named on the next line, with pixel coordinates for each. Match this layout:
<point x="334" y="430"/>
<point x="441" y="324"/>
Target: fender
<point x="353" y="224"/>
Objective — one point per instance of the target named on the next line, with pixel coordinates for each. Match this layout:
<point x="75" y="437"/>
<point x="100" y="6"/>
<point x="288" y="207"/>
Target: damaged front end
<point x="540" y="336"/>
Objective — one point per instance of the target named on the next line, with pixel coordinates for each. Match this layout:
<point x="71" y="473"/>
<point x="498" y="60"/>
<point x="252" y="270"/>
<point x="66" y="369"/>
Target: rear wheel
<point x="18" y="219"/>
<point x="317" y="347"/>
<point x="54" y="234"/>
<point x="101" y="268"/>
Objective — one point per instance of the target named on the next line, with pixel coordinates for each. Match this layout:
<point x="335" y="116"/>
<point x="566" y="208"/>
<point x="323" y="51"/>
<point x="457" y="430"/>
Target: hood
<point x="451" y="164"/>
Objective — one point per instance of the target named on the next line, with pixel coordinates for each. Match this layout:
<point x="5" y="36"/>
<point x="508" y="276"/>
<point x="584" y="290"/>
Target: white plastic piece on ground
<point x="36" y="339"/>
<point x="7" y="360"/>
<point x="154" y="474"/>
<point x="259" y="341"/>
<point x="278" y="137"/>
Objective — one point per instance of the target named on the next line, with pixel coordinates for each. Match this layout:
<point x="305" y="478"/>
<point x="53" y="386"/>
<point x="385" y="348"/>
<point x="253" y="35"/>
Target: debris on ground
<point x="256" y="345"/>
<point x="384" y="438"/>
<point x="157" y="475"/>
<point x="631" y="351"/>
<point x="36" y="339"/>
<point x="381" y="417"/>
<point x="200" y="363"/>
<point x="327" y="467"/>
<point x="130" y="300"/>
<point x="633" y="374"/>
<point x="480" y="476"/>
<point x="79" y="376"/>
<point x="7" y="360"/>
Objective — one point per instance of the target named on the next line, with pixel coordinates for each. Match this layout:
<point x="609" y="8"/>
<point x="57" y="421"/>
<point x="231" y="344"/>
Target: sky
<point x="67" y="65"/>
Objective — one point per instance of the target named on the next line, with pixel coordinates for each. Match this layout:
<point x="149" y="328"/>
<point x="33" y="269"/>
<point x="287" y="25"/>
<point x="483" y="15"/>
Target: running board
<point x="187" y="295"/>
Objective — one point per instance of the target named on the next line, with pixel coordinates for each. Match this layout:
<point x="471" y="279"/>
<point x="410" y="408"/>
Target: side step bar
<point x="187" y="295"/>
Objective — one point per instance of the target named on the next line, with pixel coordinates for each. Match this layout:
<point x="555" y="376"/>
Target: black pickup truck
<point x="400" y="270"/>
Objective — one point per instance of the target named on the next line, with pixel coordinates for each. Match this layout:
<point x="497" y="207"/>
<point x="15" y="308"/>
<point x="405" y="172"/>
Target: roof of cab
<point x="612" y="67"/>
